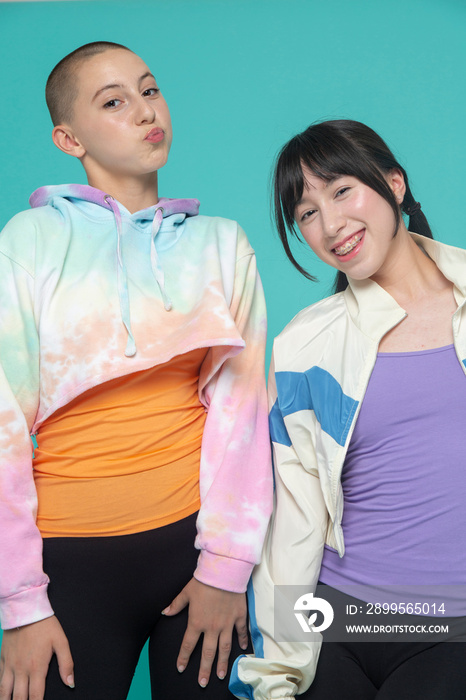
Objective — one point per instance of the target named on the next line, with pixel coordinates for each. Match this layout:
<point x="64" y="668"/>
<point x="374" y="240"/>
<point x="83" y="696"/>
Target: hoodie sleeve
<point x="291" y="558"/>
<point x="23" y="585"/>
<point x="235" y="471"/>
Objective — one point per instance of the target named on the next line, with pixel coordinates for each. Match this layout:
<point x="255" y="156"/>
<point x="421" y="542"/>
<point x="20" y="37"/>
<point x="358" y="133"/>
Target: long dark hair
<point x="329" y="149"/>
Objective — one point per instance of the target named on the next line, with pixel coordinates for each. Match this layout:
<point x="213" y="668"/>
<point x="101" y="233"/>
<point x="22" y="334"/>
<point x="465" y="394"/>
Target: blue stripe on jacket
<point x="236" y="686"/>
<point x="316" y="390"/>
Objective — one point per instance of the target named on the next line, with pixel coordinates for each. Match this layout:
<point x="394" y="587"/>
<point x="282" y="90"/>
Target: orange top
<point x="123" y="457"/>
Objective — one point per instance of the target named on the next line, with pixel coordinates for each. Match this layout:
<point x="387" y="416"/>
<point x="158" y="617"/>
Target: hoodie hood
<point x="92" y="201"/>
<point x="85" y="193"/>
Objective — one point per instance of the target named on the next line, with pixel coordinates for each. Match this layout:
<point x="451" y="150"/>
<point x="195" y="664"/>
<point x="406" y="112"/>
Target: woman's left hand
<point x="214" y="613"/>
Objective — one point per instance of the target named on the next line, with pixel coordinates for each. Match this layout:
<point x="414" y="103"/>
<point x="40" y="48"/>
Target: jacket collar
<point x="375" y="311"/>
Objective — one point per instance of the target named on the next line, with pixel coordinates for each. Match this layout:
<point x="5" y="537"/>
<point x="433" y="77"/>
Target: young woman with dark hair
<point x="367" y="413"/>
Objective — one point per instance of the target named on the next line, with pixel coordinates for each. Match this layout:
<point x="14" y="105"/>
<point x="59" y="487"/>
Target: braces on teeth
<point x="349" y="245"/>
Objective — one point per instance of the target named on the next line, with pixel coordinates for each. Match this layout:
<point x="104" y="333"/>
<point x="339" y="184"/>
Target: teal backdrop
<point x="241" y="77"/>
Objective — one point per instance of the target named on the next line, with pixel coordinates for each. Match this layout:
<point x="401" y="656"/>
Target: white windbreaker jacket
<point x="321" y="366"/>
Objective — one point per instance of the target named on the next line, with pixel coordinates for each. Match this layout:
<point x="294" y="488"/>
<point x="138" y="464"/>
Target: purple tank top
<point x="404" y="477"/>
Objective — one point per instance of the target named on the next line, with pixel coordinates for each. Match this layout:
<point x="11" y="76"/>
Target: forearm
<point x="236" y="474"/>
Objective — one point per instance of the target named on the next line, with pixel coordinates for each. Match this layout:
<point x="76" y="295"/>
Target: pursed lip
<point x="155" y="134"/>
<point x="345" y="240"/>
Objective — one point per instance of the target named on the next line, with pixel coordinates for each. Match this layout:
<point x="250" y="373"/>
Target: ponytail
<point x="417" y="221"/>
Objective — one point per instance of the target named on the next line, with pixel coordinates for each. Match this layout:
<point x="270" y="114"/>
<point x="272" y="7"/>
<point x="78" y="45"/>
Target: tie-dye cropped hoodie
<point x="90" y="292"/>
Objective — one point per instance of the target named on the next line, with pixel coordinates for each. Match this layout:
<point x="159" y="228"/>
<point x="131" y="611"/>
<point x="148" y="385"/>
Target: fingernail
<point x="221" y="675"/>
<point x="203" y="682"/>
<point x="166" y="610"/>
<point x="70" y="681"/>
<point x="181" y="669"/>
<point x="244" y="646"/>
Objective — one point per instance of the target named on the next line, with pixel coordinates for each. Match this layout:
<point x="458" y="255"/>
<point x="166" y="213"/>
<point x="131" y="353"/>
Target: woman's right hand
<point x="25" y="658"/>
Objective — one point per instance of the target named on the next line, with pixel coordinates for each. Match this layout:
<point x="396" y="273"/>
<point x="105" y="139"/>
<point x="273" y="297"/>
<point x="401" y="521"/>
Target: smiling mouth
<point x="348" y="245"/>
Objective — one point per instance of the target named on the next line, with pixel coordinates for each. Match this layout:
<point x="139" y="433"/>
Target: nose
<point x="144" y="111"/>
<point x="333" y="220"/>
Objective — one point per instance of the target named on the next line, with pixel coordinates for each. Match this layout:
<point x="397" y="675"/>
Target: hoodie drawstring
<point x="122" y="275"/>
<point x="122" y="280"/>
<point x="154" y="260"/>
<point x="56" y="196"/>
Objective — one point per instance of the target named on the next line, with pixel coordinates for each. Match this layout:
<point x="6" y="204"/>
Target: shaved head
<point x="62" y="88"/>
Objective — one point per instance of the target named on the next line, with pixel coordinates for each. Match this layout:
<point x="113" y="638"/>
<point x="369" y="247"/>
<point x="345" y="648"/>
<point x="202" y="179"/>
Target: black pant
<point x="108" y="594"/>
<point x="391" y="670"/>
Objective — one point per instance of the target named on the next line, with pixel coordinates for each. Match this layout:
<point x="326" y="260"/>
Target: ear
<point x="397" y="183"/>
<point x="64" y="139"/>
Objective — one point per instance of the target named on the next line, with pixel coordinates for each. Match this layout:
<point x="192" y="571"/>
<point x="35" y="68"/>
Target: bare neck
<point x="426" y="295"/>
<point x="134" y="193"/>
<point x="410" y="274"/>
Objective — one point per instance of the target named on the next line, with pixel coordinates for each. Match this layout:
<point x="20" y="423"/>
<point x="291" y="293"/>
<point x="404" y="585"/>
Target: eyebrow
<point x="111" y="86"/>
<point x="328" y="183"/>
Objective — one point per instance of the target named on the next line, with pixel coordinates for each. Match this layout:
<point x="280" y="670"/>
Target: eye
<point x="307" y="214"/>
<point x="112" y="103"/>
<point x="341" y="191"/>
<point x="151" y="92"/>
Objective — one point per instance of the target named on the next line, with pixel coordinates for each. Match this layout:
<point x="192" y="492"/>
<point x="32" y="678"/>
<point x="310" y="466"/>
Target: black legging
<point x="391" y="670"/>
<point x="108" y="593"/>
